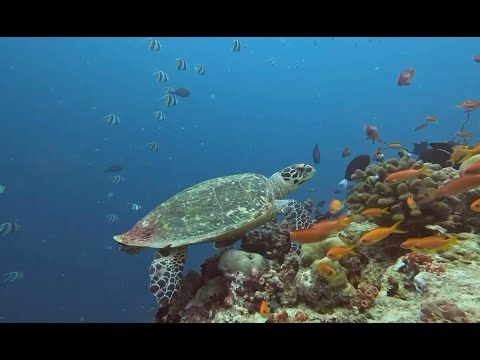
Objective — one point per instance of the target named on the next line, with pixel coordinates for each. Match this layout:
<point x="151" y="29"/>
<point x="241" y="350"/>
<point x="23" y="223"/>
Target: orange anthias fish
<point x="338" y="252"/>
<point x="346" y="152"/>
<point x="335" y="206"/>
<point x="394" y="145"/>
<point x="431" y="118"/>
<point x="454" y="186"/>
<point x="410" y="242"/>
<point x="469" y="105"/>
<point x="320" y="231"/>
<point x="476" y="58"/>
<point x="325" y="269"/>
<point x="264" y="309"/>
<point x="404" y="175"/>
<point x="433" y="245"/>
<point x="374" y="212"/>
<point x="475" y="206"/>
<point x="410" y="202"/>
<point x="380" y="233"/>
<point x="405" y="77"/>
<point x="472" y="169"/>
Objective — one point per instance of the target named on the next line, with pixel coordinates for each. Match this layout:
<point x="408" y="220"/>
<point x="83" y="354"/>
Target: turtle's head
<point x="295" y="175"/>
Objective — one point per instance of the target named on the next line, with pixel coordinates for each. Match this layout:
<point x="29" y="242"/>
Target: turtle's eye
<point x="309" y="169"/>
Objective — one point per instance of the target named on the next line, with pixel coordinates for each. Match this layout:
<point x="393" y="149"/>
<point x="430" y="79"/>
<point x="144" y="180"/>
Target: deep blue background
<point x="244" y="115"/>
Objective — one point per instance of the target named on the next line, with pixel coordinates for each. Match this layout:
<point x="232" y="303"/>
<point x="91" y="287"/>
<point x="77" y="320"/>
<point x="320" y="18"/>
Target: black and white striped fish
<point x="12" y="276"/>
<point x="112" y="119"/>
<point x="236" y="46"/>
<point x="112" y="218"/>
<point x="170" y="100"/>
<point x="159" y="116"/>
<point x="134" y="207"/>
<point x="9" y="228"/>
<point x="199" y="68"/>
<point x="117" y="179"/>
<point x="154" y="44"/>
<point x="153" y="146"/>
<point x="161" y="76"/>
<point x="181" y="64"/>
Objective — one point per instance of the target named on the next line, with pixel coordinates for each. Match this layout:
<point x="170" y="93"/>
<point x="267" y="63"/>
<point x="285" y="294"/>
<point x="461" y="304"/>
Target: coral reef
<point x="451" y="212"/>
<point x="270" y="240"/>
<point x="379" y="283"/>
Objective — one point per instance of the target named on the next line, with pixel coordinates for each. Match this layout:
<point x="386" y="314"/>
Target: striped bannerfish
<point x="236" y="46"/>
<point x="200" y="69"/>
<point x="170" y="100"/>
<point x="159" y="116"/>
<point x="8" y="228"/>
<point x="153" y="146"/>
<point x="112" y="218"/>
<point x="154" y="44"/>
<point x="181" y="64"/>
<point x="117" y="179"/>
<point x="161" y="76"/>
<point x="112" y="119"/>
<point x="12" y="276"/>
<point x="134" y="207"/>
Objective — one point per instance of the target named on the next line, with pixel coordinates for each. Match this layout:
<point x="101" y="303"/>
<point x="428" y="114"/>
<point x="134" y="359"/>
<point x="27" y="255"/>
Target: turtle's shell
<point x="218" y="209"/>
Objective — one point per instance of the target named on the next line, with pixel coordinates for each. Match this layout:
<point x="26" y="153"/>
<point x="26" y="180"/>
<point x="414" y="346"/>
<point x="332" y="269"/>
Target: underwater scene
<point x="240" y="180"/>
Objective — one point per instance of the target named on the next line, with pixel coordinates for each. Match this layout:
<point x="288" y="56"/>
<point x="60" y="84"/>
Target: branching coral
<point x="363" y="296"/>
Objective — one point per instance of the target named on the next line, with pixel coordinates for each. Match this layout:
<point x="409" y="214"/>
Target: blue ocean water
<point x="244" y="115"/>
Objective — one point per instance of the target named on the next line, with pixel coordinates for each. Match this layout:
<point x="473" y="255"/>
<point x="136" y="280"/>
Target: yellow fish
<point x="380" y="233"/>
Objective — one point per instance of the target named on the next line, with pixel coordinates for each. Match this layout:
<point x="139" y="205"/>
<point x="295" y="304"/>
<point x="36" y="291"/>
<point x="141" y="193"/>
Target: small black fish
<point x="182" y="92"/>
<point x="360" y="162"/>
<point x="114" y="168"/>
<point x="316" y="154"/>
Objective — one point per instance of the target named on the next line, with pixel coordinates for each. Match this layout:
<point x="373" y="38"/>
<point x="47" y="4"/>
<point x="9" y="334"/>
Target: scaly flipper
<point x="166" y="273"/>
<point x="297" y="216"/>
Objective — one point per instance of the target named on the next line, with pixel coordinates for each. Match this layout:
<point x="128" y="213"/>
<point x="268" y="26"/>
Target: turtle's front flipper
<point x="297" y="216"/>
<point x="166" y="273"/>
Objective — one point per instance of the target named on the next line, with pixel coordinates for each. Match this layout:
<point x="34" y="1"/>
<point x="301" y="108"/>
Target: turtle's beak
<point x="118" y="238"/>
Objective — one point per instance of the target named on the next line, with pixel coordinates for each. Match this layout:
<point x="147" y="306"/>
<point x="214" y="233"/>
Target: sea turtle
<point x="218" y="210"/>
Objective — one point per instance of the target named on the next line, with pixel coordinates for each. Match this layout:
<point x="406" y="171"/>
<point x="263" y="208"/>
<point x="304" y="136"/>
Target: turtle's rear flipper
<point x="297" y="216"/>
<point x="166" y="273"/>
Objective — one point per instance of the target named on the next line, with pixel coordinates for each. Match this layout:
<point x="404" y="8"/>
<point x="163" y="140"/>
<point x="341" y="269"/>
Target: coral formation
<point x="363" y="296"/>
<point x="271" y="241"/>
<point x="452" y="212"/>
<point x="378" y="283"/>
<point x="443" y="311"/>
